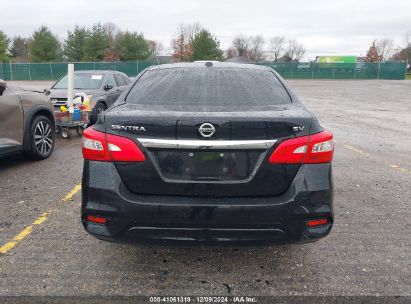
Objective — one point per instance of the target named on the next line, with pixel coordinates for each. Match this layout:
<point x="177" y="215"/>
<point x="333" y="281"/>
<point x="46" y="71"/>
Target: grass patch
<point x="408" y="76"/>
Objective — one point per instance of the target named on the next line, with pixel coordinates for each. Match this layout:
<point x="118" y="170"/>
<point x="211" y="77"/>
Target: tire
<point x="79" y="131"/>
<point x="98" y="109"/>
<point x="42" y="137"/>
<point x="65" y="133"/>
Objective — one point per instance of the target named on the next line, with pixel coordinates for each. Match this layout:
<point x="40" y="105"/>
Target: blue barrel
<point x="76" y="115"/>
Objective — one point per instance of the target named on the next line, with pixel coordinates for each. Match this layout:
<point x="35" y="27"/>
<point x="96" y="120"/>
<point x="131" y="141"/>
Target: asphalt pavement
<point x="367" y="252"/>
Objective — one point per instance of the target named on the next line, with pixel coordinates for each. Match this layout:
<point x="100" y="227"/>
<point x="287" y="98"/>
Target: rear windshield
<point x="82" y="81"/>
<point x="209" y="89"/>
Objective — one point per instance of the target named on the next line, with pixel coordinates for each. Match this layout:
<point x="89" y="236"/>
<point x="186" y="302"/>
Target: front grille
<point x="58" y="102"/>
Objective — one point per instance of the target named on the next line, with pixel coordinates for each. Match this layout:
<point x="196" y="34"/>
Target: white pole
<point x="70" y="86"/>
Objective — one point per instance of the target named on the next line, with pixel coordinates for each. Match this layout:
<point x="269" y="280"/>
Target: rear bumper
<point x="184" y="220"/>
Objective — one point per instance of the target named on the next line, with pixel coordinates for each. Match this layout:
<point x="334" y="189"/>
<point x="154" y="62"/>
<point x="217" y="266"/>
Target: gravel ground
<point x="367" y="253"/>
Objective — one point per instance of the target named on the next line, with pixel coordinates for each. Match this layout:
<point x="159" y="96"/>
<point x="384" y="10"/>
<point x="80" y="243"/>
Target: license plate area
<point x="207" y="165"/>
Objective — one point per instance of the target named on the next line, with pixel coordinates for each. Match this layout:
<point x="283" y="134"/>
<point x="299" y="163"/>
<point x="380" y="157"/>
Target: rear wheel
<point x="41" y="136"/>
<point x="98" y="109"/>
<point x="79" y="130"/>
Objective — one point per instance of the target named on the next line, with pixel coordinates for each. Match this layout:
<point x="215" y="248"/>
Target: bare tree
<point x="112" y="32"/>
<point x="407" y="39"/>
<point x="295" y="50"/>
<point x="191" y="30"/>
<point x="240" y="45"/>
<point x="181" y="44"/>
<point x="156" y="47"/>
<point x="277" y="45"/>
<point x="248" y="46"/>
<point x="384" y="47"/>
<point x="180" y="48"/>
<point x="255" y="48"/>
<point x="404" y="52"/>
<point x="231" y="52"/>
<point x="372" y="54"/>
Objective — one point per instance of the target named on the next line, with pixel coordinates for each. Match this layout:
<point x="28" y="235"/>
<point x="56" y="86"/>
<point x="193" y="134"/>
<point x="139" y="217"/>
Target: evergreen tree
<point x="133" y="46"/>
<point x="206" y="47"/>
<point x="44" y="46"/>
<point x="74" y="46"/>
<point x="19" y="49"/>
<point x="96" y="44"/>
<point x="4" y="43"/>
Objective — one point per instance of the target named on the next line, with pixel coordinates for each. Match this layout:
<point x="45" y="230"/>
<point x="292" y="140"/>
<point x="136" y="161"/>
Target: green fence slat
<point x="39" y="71"/>
<point x="20" y="71"/>
<point x="7" y="71"/>
<point x="58" y="70"/>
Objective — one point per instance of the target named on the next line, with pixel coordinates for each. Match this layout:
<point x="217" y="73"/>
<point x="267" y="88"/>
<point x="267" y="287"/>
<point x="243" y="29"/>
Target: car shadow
<point x="257" y="264"/>
<point x="63" y="149"/>
<point x="182" y="255"/>
<point x="14" y="160"/>
<point x="222" y="270"/>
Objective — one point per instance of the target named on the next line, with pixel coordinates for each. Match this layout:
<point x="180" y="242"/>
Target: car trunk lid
<point x="231" y="162"/>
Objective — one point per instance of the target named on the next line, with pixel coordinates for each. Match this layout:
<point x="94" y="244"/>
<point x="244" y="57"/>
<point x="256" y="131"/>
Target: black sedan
<point x="102" y="89"/>
<point x="208" y="153"/>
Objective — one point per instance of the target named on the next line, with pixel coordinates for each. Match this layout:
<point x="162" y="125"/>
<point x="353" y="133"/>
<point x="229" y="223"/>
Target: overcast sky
<point x="325" y="27"/>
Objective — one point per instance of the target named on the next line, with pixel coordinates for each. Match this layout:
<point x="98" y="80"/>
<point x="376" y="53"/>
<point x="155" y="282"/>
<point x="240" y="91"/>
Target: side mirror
<point x="3" y="87"/>
<point x="46" y="92"/>
<point x="108" y="87"/>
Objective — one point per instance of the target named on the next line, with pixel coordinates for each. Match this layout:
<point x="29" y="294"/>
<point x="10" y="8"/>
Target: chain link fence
<point x="359" y="70"/>
<point x="54" y="71"/>
<point x="290" y="70"/>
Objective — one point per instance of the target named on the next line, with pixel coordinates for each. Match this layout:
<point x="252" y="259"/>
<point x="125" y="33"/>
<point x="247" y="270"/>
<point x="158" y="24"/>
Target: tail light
<point x="310" y="149"/>
<point x="100" y="146"/>
<point x="96" y="219"/>
<point x="317" y="222"/>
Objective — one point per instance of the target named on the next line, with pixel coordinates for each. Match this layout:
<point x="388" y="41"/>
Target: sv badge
<point x="298" y="128"/>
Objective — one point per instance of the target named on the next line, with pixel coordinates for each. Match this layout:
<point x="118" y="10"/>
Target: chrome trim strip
<point x="206" y="144"/>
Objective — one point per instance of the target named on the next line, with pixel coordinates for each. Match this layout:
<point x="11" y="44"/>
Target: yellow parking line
<point x="25" y="232"/>
<point x="42" y="218"/>
<point x="396" y="167"/>
<point x="356" y="150"/>
<point x="70" y="195"/>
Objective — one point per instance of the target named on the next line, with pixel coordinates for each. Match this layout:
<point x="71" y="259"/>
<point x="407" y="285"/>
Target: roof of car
<point x="204" y="65"/>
